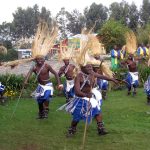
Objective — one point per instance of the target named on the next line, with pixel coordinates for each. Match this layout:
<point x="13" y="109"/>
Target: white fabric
<point x="96" y="99"/>
<point x="48" y="86"/>
<point x="134" y="76"/>
<point x="69" y="85"/>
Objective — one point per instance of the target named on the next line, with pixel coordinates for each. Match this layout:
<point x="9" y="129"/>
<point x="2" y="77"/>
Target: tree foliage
<point x="26" y="20"/>
<point x="6" y="31"/>
<point x="143" y="34"/>
<point x="127" y="14"/>
<point x="133" y="17"/>
<point x="145" y="12"/>
<point x="112" y="33"/>
<point x="95" y="15"/>
<point x="76" y="22"/>
<point x="11" y="55"/>
<point x="62" y="21"/>
<point x="119" y="11"/>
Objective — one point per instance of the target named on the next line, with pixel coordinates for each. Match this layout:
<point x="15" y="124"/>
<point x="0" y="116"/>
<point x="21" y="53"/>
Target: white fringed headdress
<point x="42" y="43"/>
<point x="83" y="57"/>
<point x="44" y="39"/>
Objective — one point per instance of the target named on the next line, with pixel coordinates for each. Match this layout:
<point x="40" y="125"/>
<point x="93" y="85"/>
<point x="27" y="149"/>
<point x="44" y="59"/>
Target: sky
<point x="8" y="7"/>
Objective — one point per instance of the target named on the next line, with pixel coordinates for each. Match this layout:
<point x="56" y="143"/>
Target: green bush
<point x="14" y="84"/>
<point x="120" y="74"/>
<point x="112" y="33"/>
<point x="8" y="44"/>
<point x="11" y="55"/>
<point x="144" y="72"/>
<point x="143" y="34"/>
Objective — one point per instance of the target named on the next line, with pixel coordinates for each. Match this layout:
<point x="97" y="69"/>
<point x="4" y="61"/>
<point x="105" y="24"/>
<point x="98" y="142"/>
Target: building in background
<point x="24" y="53"/>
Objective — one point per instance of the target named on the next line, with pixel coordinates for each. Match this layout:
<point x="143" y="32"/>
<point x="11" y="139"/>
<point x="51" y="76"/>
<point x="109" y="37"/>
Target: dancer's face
<point x="66" y="61"/>
<point x="87" y="69"/>
<point x="40" y="61"/>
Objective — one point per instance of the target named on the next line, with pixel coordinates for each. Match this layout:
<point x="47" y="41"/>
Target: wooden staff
<point x="23" y="87"/>
<point x="18" y="101"/>
<point x="86" y="124"/>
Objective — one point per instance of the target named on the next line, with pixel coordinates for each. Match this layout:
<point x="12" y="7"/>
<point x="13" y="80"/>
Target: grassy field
<point x="126" y="118"/>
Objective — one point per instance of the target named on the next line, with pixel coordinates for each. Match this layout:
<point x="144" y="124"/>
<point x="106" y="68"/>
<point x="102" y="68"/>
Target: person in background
<point x="132" y="76"/>
<point x="142" y="52"/>
<point x="101" y="84"/>
<point x="2" y="90"/>
<point x="147" y="89"/>
<point x="68" y="71"/>
<point x="115" y="58"/>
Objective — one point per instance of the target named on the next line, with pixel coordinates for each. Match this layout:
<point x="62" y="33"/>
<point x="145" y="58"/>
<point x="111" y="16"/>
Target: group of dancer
<point x="83" y="99"/>
<point x="84" y="80"/>
<point x="86" y="75"/>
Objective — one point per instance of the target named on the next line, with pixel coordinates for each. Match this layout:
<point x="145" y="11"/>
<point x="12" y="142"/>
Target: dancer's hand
<point x="116" y="81"/>
<point x="60" y="87"/>
<point x="89" y="95"/>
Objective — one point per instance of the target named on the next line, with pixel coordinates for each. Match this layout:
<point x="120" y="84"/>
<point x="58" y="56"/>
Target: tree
<point x="62" y="20"/>
<point x="133" y="17"/>
<point x="143" y="34"/>
<point x="145" y="12"/>
<point x="95" y="14"/>
<point x="25" y="20"/>
<point x="127" y="14"/>
<point x="119" y="11"/>
<point x="76" y="22"/>
<point x="6" y="32"/>
<point x="45" y="15"/>
<point x="112" y="33"/>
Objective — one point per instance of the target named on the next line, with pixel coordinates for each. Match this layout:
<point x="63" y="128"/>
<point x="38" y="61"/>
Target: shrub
<point x="112" y="33"/>
<point x="14" y="84"/>
<point x="11" y="55"/>
<point x="120" y="74"/>
<point x="144" y="72"/>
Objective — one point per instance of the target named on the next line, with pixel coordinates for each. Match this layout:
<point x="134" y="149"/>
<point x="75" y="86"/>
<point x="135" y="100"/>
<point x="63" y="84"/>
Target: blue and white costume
<point x="2" y="88"/>
<point x="82" y="107"/>
<point x="147" y="86"/>
<point x="43" y="92"/>
<point x="102" y="84"/>
<point x="142" y="51"/>
<point x="69" y="88"/>
<point x="132" y="79"/>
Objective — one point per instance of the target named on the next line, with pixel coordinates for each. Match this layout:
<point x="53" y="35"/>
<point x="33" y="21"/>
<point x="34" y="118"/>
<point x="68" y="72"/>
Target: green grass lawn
<point x="126" y="118"/>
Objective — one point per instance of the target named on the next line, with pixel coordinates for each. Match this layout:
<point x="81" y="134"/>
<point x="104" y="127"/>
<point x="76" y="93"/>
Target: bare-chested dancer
<point x="86" y="103"/>
<point x="44" y="91"/>
<point x="101" y="84"/>
<point x="68" y="71"/>
<point x="132" y="76"/>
